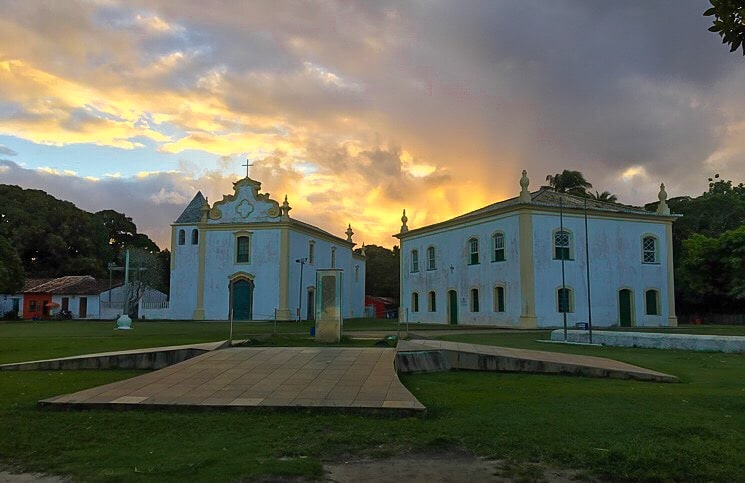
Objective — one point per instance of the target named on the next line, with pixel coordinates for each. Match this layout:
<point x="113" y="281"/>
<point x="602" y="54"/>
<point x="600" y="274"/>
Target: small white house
<point x="523" y="263"/>
<point x="247" y="247"/>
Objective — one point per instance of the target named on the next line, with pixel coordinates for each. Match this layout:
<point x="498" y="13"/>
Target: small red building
<point x="36" y="303"/>
<point x="382" y="307"/>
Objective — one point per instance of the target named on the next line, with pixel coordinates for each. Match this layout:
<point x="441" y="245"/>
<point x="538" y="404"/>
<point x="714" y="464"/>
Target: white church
<point x="248" y="245"/>
<point x="523" y="263"/>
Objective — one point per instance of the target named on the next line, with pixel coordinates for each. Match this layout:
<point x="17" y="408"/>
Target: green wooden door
<point x="624" y="307"/>
<point x="243" y="294"/>
<point x="453" y="306"/>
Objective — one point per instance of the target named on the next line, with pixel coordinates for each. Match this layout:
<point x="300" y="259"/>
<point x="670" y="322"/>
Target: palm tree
<point x="604" y="196"/>
<point x="569" y="181"/>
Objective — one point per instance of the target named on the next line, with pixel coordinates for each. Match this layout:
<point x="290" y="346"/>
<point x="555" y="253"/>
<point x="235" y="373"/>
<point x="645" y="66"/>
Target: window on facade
<point x="649" y="249"/>
<point x="499" y="299"/>
<point x="432" y="302"/>
<point x="333" y="257"/>
<point x="181" y="237"/>
<point x="357" y="273"/>
<point x="498" y="246"/>
<point x="243" y="249"/>
<point x="311" y="252"/>
<point x="652" y="299"/>
<point x="562" y="245"/>
<point x="473" y="251"/>
<point x="415" y="260"/>
<point x="32" y="306"/>
<point x="474" y="300"/>
<point x="431" y="258"/>
<point x="195" y="237"/>
<point x="415" y="302"/>
<point x="566" y="302"/>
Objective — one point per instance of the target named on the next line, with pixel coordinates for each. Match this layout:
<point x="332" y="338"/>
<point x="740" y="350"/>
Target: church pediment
<point x="245" y="205"/>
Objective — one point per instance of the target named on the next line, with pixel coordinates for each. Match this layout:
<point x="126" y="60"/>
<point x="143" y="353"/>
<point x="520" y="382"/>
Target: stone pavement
<point x="148" y="358"/>
<point x="417" y="356"/>
<point x="276" y="377"/>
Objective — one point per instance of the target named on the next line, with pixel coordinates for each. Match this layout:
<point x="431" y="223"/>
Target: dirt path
<point x="444" y="468"/>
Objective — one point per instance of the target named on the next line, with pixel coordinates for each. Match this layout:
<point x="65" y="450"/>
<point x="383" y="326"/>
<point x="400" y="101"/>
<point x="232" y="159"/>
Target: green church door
<point x="624" y="308"/>
<point x="243" y="298"/>
<point x="453" y="307"/>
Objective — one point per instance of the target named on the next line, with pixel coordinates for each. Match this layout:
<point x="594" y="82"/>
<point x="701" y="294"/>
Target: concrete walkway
<point x="273" y="377"/>
<point x="434" y="355"/>
<point x="149" y="358"/>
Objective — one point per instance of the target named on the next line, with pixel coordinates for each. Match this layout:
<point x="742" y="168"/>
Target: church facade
<point x="523" y="263"/>
<point x="245" y="252"/>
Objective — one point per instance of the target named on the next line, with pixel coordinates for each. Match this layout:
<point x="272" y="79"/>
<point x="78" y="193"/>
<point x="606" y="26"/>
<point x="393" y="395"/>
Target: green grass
<point x="620" y="430"/>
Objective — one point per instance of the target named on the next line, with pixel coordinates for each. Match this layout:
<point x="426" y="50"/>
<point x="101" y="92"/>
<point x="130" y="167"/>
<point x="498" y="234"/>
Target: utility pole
<point x="587" y="263"/>
<point x="563" y="275"/>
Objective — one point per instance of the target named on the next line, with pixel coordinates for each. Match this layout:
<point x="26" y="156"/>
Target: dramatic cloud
<point x="357" y="110"/>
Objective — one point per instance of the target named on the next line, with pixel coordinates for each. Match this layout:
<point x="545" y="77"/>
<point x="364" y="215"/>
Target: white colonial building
<point x="501" y="265"/>
<point x="247" y="244"/>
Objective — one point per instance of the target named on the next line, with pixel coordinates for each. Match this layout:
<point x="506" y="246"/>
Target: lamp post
<point x="301" y="261"/>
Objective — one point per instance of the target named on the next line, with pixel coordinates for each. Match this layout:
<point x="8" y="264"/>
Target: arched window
<point x="473" y="251"/>
<point x="195" y="237"/>
<point x="181" y="237"/>
<point x="415" y="302"/>
<point x="565" y="300"/>
<point x="649" y="249"/>
<point x="415" y="260"/>
<point x="499" y="298"/>
<point x="474" y="300"/>
<point x="432" y="302"/>
<point x="356" y="273"/>
<point x="497" y="241"/>
<point x="562" y="245"/>
<point x="333" y="257"/>
<point x="652" y="299"/>
<point x="311" y="252"/>
<point x="431" y="258"/>
<point x="243" y="249"/>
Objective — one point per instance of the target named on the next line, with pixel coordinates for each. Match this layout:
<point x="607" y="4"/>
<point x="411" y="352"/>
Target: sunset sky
<point x="357" y="110"/>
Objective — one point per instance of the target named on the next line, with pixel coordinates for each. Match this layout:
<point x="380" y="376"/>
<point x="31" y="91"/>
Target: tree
<point x="382" y="271"/>
<point x="568" y="181"/>
<point x="712" y="271"/>
<point x="145" y="272"/>
<point x="11" y="269"/>
<point x="729" y="22"/>
<point x="604" y="196"/>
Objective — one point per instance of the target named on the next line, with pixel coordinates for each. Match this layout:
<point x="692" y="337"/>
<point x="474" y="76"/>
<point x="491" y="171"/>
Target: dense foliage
<point x="53" y="238"/>
<point x="729" y="22"/>
<point x="382" y="271"/>
<point x="11" y="269"/>
<point x="709" y="249"/>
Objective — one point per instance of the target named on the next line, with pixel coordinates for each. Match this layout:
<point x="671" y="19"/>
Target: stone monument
<point x="329" y="319"/>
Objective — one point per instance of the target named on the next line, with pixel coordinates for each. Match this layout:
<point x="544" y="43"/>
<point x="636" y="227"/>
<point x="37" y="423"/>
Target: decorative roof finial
<point x="524" y="192"/>
<point x="404" y="219"/>
<point x="362" y="250"/>
<point x="349" y="233"/>
<point x="285" y="210"/>
<point x="662" y="208"/>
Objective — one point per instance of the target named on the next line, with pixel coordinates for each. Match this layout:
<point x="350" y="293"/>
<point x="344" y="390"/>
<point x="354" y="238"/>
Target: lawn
<point x="620" y="430"/>
<point x="24" y="341"/>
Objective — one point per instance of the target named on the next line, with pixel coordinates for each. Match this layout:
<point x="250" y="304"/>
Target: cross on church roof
<point x="247" y="165"/>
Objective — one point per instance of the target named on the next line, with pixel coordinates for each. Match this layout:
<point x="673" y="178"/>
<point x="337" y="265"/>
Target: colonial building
<point x="247" y="244"/>
<point x="523" y="262"/>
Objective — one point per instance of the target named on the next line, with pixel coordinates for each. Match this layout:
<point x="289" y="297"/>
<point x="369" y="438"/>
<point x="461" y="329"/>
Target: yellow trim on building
<point x="283" y="312"/>
<point x="173" y="246"/>
<point x="199" y="311"/>
<point x="672" y="319"/>
<point x="528" y="319"/>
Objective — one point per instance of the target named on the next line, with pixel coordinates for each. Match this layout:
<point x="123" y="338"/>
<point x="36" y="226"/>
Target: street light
<point x="301" y="261"/>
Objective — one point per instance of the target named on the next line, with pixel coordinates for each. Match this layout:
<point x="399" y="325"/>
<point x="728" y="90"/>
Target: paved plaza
<point x="279" y="377"/>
